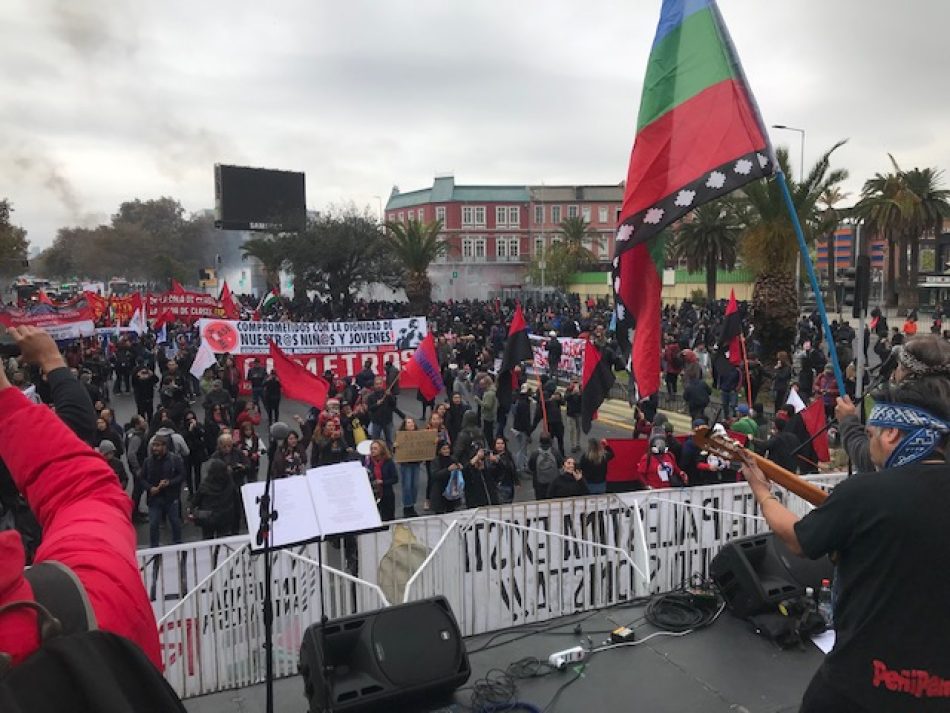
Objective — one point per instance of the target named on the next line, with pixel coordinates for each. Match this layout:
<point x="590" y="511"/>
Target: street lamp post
<point x="379" y="201"/>
<point x="801" y="179"/>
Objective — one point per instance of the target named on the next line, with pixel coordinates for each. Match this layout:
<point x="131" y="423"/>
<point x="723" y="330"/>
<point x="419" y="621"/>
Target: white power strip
<point x="560" y="659"/>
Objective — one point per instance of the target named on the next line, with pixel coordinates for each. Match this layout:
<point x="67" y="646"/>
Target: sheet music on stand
<point x="329" y="500"/>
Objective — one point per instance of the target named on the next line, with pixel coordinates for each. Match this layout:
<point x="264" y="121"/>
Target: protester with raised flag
<point x="517" y="350"/>
<point x="598" y="379"/>
<point x="887" y="531"/>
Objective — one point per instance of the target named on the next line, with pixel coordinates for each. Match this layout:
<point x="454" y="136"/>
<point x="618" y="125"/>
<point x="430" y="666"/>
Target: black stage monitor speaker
<point x="385" y="658"/>
<point x="755" y="573"/>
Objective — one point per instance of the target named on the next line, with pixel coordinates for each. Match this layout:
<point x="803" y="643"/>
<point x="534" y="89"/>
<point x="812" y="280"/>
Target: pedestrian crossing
<point x="619" y="414"/>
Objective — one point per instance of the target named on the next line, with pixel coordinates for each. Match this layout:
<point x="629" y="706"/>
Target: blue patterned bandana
<point x="924" y="431"/>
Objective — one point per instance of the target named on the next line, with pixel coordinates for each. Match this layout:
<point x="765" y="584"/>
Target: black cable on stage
<point x="684" y="610"/>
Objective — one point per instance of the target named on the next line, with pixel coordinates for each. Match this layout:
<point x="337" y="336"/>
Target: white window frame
<point x="572" y="211"/>
<point x="539" y="246"/>
<point x="468" y="215"/>
<point x="514" y="248"/>
<point x="421" y="214"/>
<point x="501" y="215"/>
<point x="440" y="213"/>
<point x="585" y="213"/>
<point x="514" y="216"/>
<point x="501" y="249"/>
<point x="602" y="214"/>
<point x="402" y="217"/>
<point x="480" y="216"/>
<point x="473" y="248"/>
<point x="556" y="214"/>
<point x="539" y="211"/>
<point x="410" y="215"/>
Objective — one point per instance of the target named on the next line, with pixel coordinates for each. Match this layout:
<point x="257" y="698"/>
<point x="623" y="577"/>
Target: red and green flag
<point x="699" y="136"/>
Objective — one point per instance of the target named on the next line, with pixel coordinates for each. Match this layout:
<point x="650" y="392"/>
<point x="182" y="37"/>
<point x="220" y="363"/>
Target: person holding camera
<point x="479" y="487"/>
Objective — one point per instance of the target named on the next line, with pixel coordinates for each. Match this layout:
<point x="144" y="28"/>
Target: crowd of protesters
<point x="195" y="441"/>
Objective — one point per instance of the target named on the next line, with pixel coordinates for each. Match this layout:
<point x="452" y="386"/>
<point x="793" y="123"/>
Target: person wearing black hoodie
<point x="213" y="503"/>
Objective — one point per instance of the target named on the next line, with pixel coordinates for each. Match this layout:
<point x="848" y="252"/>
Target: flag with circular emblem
<point x="699" y="136"/>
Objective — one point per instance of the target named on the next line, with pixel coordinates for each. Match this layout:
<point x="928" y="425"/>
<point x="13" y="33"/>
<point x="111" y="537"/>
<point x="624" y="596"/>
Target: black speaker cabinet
<point x="755" y="573"/>
<point x="385" y="658"/>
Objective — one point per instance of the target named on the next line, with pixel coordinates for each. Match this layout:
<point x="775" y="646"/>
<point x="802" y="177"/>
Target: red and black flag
<point x="730" y="338"/>
<point x="517" y="350"/>
<point x="597" y="380"/>
<point x="699" y="136"/>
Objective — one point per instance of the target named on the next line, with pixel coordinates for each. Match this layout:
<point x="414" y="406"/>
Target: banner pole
<point x="819" y="300"/>
<point x="748" y="378"/>
<point x="544" y="408"/>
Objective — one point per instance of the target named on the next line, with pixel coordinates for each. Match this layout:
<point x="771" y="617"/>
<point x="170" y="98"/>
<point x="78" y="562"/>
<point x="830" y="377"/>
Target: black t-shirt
<point x="892" y="586"/>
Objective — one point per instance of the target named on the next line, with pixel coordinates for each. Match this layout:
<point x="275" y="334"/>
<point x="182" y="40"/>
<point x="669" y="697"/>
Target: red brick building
<point x="494" y="232"/>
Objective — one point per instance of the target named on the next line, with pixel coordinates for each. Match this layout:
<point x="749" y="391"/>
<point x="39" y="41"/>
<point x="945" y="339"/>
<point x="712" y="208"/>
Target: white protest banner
<point x="572" y="355"/>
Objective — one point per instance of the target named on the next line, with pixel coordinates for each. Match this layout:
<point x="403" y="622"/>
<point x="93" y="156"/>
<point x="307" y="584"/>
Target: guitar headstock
<point x="717" y="444"/>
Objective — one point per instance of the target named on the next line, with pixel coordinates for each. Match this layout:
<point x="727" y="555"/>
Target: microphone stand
<point x="265" y="537"/>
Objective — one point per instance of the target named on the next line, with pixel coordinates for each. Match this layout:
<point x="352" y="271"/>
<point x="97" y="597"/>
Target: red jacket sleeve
<point x="84" y="513"/>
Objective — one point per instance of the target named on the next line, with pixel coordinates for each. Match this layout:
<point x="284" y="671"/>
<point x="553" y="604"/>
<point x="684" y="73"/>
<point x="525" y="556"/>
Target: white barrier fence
<point x="498" y="566"/>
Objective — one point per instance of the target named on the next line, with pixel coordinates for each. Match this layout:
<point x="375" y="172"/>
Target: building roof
<point x="557" y="194"/>
<point x="444" y="190"/>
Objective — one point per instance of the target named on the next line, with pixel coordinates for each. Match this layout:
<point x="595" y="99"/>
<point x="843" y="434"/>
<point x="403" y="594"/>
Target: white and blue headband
<point x="924" y="431"/>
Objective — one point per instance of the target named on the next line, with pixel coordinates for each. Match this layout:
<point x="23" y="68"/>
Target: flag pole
<point x="748" y="378"/>
<point x="544" y="408"/>
<point x="819" y="300"/>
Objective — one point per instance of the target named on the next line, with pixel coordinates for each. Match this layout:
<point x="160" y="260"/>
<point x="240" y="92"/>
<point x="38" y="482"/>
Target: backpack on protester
<point x="78" y="667"/>
<point x="455" y="488"/>
<point x="676" y="361"/>
<point x="546" y="466"/>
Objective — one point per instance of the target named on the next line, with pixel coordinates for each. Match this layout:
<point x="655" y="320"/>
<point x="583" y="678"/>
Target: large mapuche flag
<point x="699" y="136"/>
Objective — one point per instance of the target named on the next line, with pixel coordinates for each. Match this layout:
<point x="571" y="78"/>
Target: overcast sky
<point x="108" y="101"/>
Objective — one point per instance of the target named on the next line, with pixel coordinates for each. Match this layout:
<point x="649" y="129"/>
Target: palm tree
<point x="574" y="232"/>
<point x="830" y="217"/>
<point x="769" y="246"/>
<point x="415" y="246"/>
<point x="902" y="206"/>
<point x="924" y="214"/>
<point x="708" y="239"/>
<point x="271" y="254"/>
<point x="880" y="207"/>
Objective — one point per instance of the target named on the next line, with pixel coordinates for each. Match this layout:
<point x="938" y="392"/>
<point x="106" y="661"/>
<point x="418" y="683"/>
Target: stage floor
<point x="724" y="668"/>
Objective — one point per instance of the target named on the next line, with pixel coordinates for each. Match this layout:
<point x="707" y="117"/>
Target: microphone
<point x="279" y="431"/>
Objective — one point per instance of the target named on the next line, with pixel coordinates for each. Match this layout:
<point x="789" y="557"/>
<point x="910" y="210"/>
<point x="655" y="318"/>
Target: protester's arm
<point x="178" y="471"/>
<point x="72" y="402"/>
<point x="853" y="436"/>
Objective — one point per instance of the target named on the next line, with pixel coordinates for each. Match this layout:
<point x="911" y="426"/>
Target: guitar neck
<point x="788" y="480"/>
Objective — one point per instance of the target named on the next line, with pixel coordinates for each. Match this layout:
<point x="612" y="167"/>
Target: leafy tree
<point x="707" y="239"/>
<point x="574" y="232"/>
<point x="558" y="269"/>
<point x="415" y="246"/>
<point x="14" y="245"/>
<point x="339" y="253"/>
<point x="770" y="248"/>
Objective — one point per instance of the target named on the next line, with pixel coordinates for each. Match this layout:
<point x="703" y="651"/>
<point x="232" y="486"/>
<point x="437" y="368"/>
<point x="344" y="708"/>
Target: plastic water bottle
<point x="824" y="603"/>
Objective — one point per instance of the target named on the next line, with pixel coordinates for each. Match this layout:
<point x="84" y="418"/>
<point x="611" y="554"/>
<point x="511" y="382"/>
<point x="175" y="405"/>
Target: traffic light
<point x="847" y="278"/>
<point x="862" y="286"/>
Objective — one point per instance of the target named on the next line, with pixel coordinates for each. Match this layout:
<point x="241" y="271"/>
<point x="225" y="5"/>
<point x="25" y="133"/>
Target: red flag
<point x="598" y="378"/>
<point x="43" y="298"/>
<point x="814" y="419"/>
<point x="423" y="369"/>
<point x="231" y="310"/>
<point x="176" y="287"/>
<point x="730" y="337"/>
<point x="699" y="136"/>
<point x="164" y="318"/>
<point x="517" y="350"/>
<point x="298" y="383"/>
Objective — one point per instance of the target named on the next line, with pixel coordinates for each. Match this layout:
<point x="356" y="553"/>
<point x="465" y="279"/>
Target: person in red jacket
<point x="82" y="509"/>
<point x="657" y="468"/>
